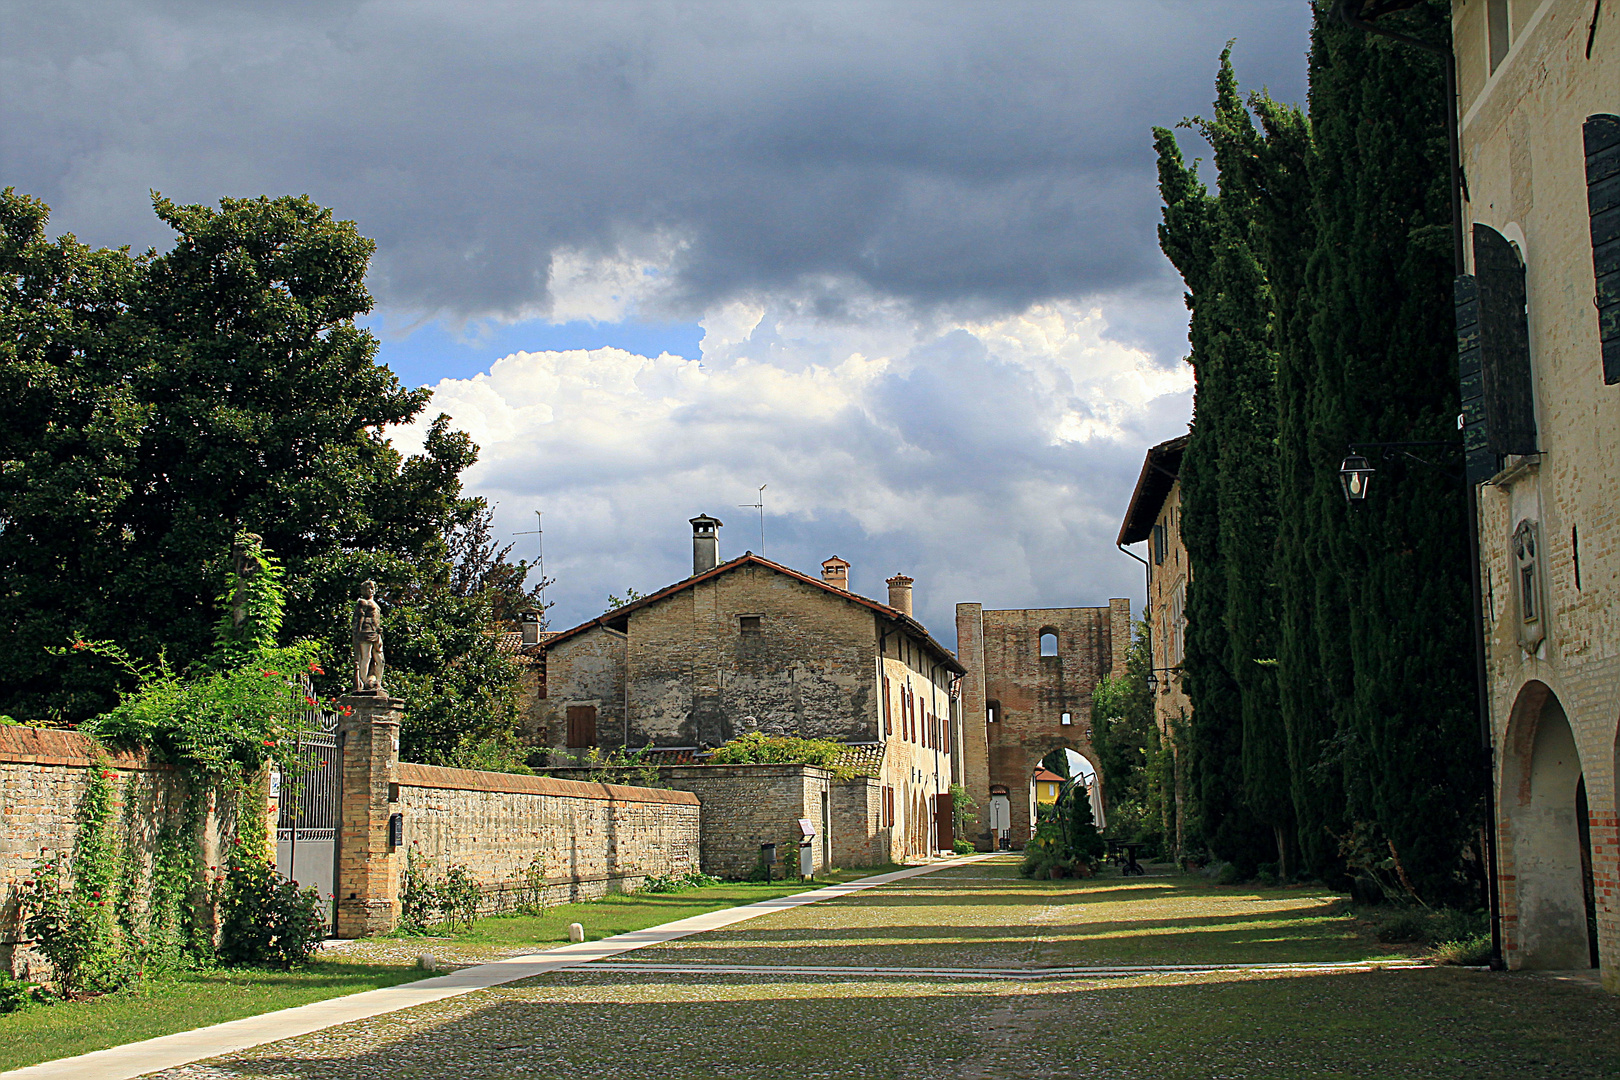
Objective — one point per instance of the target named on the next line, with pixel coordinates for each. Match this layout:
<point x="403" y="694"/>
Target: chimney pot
<point x="900" y="593"/>
<point x="530" y="621"/>
<point x="705" y="543"/>
<point x="835" y="572"/>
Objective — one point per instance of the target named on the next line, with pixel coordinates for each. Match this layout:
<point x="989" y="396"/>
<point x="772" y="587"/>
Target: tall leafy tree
<point x="152" y="406"/>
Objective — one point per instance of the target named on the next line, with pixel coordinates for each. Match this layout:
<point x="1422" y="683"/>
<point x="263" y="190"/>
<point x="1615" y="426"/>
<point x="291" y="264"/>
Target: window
<point x="1158" y="544"/>
<point x="888" y="808"/>
<point x="992" y="712"/>
<point x="1496" y="21"/>
<point x="581" y="726"/>
<point x="1526" y="547"/>
<point x="749" y="624"/>
<point x="1049" y="643"/>
<point x="1067" y="720"/>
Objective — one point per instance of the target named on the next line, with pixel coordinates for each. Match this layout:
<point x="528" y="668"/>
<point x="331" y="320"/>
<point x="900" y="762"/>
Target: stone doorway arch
<point x="1547" y="858"/>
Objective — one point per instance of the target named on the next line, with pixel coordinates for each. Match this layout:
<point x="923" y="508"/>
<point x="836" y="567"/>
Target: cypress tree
<point x="1383" y="356"/>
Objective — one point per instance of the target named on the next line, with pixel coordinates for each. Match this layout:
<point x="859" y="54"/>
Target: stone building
<point x="1027" y="692"/>
<point x="1539" y="337"/>
<point x="1154" y="515"/>
<point x="750" y="645"/>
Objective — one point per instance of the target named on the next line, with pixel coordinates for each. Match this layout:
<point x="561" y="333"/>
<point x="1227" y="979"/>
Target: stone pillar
<point x="975" y="738"/>
<point x="368" y="869"/>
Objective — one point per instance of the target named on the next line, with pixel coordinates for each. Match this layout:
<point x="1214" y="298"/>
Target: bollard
<point x="576" y="932"/>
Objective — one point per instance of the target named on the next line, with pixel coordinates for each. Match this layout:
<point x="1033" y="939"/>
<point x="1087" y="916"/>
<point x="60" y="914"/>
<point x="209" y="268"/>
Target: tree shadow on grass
<point x="1414" y="1024"/>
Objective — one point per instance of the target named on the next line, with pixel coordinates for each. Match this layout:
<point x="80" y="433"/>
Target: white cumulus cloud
<point x="991" y="460"/>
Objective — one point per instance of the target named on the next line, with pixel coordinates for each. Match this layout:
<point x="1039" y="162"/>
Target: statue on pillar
<point x="368" y="643"/>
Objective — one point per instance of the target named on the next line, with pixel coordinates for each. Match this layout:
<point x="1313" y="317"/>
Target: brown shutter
<point x="581" y="726"/>
<point x="888" y="714"/>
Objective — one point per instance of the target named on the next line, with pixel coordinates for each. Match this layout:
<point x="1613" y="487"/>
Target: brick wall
<point x="592" y="838"/>
<point x="43" y="778"/>
<point x="1031" y="692"/>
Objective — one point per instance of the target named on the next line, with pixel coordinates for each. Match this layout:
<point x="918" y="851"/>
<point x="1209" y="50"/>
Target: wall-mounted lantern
<point x="1355" y="474"/>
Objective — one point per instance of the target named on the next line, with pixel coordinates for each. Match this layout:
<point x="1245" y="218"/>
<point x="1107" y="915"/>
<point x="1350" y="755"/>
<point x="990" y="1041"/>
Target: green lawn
<point x="178" y="1003"/>
<point x="196" y="999"/>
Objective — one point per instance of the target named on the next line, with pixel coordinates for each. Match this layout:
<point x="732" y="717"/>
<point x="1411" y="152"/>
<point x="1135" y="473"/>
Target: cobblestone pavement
<point x="675" y="1025"/>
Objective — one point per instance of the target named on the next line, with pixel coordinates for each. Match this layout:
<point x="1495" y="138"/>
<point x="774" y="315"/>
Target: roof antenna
<point x="760" y="506"/>
<point x="540" y="562"/>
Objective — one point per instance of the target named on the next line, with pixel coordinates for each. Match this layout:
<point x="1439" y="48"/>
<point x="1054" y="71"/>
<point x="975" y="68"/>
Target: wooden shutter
<point x="888" y="714"/>
<point x="1602" y="134"/>
<point x="581" y="726"/>
<point x="1504" y="344"/>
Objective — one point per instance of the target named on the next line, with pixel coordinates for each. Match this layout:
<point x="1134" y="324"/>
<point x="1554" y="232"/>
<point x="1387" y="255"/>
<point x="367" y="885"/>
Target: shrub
<point x="16" y="994"/>
<point x="692" y="879"/>
<point x="265" y="919"/>
<point x="756" y="748"/>
<point x="963" y="847"/>
<point x="530" y="894"/>
<point x="73" y="926"/>
<point x="1472" y="951"/>
<point x="429" y="900"/>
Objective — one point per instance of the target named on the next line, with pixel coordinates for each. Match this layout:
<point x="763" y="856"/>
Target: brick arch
<point x="1544" y="850"/>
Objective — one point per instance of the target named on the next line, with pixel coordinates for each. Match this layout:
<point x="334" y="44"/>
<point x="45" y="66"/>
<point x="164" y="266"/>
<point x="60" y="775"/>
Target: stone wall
<point x="591" y="838"/>
<point x="43" y="778"/>
<point x="802" y="666"/>
<point x="744" y="806"/>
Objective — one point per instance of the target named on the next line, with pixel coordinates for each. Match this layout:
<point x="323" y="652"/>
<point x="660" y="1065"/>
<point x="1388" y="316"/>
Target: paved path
<point x="168" y="1051"/>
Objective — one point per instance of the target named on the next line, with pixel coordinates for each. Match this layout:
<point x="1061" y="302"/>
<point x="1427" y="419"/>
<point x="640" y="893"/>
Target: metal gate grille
<point x="307" y="822"/>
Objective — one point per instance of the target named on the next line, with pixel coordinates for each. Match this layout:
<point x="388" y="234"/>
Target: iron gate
<point x="307" y="823"/>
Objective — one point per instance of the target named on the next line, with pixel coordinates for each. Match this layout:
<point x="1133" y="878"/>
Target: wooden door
<point x="944" y="826"/>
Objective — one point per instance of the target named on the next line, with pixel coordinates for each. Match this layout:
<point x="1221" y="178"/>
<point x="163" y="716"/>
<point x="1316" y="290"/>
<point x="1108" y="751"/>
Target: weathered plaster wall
<point x="1523" y="155"/>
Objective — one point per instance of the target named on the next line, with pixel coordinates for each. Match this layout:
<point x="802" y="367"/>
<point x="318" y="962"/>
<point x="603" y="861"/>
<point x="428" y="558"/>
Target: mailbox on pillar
<point x="807" y="849"/>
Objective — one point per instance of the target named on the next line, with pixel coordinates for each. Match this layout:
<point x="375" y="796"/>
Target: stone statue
<point x="368" y="643"/>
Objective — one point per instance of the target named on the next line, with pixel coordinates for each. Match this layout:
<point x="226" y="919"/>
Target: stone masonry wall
<point x="695" y="673"/>
<point x="591" y="838"/>
<point x="744" y="806"/>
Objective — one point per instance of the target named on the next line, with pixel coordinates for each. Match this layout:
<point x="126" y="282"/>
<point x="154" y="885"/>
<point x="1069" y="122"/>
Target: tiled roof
<point x="621" y="615"/>
<point x="863" y="760"/>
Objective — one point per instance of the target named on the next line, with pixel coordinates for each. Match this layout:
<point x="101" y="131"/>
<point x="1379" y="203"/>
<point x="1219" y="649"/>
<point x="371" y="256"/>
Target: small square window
<point x="1067" y="719"/>
<point x="749" y="623"/>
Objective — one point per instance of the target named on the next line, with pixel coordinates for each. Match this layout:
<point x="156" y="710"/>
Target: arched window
<point x="1049" y="643"/>
<point x="1067" y="719"/>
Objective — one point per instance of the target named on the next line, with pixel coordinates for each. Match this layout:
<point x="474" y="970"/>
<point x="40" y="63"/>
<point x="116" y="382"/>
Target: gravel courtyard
<point x="977" y="978"/>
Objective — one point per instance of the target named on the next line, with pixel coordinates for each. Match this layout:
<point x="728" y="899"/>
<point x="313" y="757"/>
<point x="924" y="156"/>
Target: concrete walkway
<point x="181" y="1048"/>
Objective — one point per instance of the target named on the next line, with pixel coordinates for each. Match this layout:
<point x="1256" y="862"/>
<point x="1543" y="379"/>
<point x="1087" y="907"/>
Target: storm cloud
<point x="917" y="239"/>
<point x="965" y="153"/>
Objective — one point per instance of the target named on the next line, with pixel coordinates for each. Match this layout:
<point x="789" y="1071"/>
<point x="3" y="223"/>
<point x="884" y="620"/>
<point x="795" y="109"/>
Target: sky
<point x="896" y="261"/>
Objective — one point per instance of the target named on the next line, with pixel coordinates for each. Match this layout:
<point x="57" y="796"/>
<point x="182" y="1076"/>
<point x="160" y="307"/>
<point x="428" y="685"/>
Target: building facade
<point x="1539" y="326"/>
<point x="1027" y="692"/>
<point x="1154" y="516"/>
<point x="750" y="645"/>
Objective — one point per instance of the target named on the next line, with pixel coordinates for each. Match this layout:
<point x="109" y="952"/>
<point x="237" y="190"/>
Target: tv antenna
<point x="760" y="506"/>
<point x="539" y="531"/>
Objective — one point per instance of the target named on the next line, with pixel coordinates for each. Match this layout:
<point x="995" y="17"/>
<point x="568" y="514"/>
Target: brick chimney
<point x="835" y="572"/>
<point x="900" y="593"/>
<point x="705" y="543"/>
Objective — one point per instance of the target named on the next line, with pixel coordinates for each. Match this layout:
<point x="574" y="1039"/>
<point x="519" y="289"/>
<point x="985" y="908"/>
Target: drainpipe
<point x="1482" y="686"/>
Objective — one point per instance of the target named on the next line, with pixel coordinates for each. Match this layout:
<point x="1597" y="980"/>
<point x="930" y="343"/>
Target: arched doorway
<point x="1547" y="824"/>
